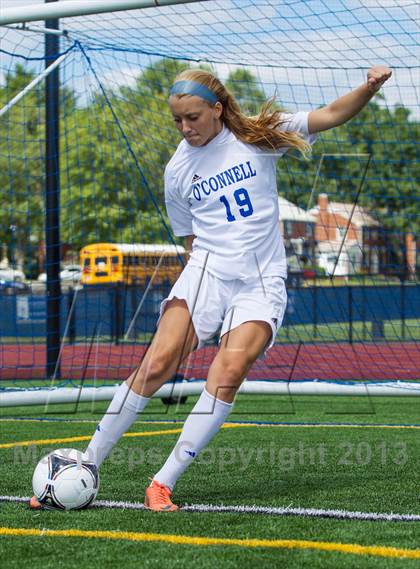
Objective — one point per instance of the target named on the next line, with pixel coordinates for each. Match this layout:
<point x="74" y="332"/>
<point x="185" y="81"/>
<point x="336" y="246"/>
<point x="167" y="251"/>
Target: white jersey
<point x="225" y="193"/>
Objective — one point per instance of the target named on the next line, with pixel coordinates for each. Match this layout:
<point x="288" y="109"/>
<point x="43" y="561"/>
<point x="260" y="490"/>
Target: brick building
<point x="352" y="231"/>
<point x="298" y="229"/>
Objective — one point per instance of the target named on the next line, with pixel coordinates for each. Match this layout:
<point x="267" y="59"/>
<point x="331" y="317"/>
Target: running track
<point x="333" y="361"/>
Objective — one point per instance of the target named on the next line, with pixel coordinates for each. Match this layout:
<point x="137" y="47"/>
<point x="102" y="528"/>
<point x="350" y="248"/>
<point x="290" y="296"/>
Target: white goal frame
<point x="73" y="8"/>
<point x="195" y="387"/>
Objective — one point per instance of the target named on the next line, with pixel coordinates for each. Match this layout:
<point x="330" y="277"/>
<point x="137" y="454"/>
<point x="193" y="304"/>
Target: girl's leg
<point x="238" y="350"/>
<point x="175" y="338"/>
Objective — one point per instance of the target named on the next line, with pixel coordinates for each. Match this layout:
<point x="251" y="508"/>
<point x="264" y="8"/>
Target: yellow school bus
<point x="131" y="263"/>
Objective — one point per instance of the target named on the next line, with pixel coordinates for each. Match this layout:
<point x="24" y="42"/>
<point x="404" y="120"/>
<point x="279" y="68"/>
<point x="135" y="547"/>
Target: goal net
<point x="349" y="216"/>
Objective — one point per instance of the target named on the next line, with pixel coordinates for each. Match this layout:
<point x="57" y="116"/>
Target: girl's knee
<point x="154" y="371"/>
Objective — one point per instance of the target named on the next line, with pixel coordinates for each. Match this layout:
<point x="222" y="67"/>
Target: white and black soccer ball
<point x="65" y="480"/>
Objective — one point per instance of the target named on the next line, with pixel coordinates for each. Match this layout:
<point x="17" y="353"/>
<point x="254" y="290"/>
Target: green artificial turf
<point x="365" y="468"/>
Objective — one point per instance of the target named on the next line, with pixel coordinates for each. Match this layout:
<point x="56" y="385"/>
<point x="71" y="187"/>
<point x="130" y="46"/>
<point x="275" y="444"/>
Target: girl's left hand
<point x="377" y="76"/>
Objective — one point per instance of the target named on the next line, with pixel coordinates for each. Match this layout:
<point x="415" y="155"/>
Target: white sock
<point x="201" y="425"/>
<point x="120" y="415"/>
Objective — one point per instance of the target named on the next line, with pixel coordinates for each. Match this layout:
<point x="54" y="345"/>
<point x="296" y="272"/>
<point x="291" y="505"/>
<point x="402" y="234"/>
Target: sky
<point x="307" y="53"/>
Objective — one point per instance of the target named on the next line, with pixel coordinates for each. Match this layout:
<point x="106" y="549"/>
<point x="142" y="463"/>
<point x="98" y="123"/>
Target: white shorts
<point x="217" y="305"/>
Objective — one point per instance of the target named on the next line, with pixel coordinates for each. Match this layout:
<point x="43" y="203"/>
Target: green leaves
<point x="389" y="191"/>
<point x="244" y="86"/>
<point x="112" y="163"/>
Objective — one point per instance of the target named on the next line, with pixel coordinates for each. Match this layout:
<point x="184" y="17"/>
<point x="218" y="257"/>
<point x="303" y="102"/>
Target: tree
<point x="22" y="154"/>
<point x="244" y="87"/>
<point x="20" y="166"/>
<point x="112" y="163"/>
<point x="389" y="190"/>
<point x="113" y="187"/>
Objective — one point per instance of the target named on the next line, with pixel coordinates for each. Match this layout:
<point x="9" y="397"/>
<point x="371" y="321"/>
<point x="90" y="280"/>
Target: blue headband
<point x="195" y="89"/>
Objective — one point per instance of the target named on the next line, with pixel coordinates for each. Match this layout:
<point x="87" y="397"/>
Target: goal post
<point x="175" y="392"/>
<point x="33" y="84"/>
<point x="70" y="8"/>
<point x="349" y="216"/>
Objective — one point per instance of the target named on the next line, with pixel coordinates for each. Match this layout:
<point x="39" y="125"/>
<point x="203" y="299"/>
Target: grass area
<point x="370" y="469"/>
<point x="357" y="280"/>
<point x="393" y="331"/>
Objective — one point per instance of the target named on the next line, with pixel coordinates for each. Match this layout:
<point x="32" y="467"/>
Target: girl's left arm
<point x="346" y="107"/>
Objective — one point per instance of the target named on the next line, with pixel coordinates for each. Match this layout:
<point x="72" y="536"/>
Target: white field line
<point x="265" y="510"/>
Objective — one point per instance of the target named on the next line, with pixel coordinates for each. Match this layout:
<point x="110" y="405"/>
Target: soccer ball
<point x="65" y="480"/>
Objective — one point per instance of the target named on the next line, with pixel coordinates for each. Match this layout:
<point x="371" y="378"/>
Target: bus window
<point x="167" y="261"/>
<point x="86" y="266"/>
<point x="100" y="263"/>
<point x="115" y="264"/>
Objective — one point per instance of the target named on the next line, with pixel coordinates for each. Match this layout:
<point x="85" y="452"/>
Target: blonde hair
<point x="263" y="130"/>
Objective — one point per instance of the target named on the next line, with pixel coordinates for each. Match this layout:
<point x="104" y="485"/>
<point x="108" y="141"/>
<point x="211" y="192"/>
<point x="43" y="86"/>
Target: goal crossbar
<point x="56" y="10"/>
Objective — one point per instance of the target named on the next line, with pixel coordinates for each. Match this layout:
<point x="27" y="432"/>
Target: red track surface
<point x="390" y="361"/>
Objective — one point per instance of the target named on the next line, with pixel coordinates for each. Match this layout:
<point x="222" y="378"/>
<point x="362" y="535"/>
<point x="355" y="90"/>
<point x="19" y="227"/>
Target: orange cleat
<point x="158" y="498"/>
<point x="34" y="504"/>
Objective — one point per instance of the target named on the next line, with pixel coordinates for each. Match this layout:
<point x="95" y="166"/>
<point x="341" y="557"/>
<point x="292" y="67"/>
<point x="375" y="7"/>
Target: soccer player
<point x="221" y="194"/>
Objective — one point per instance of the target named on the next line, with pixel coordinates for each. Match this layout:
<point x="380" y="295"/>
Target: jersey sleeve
<point x="298" y="122"/>
<point x="178" y="209"/>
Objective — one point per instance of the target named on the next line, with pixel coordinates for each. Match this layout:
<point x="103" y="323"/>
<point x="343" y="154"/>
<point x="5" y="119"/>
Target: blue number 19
<point x="242" y="199"/>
